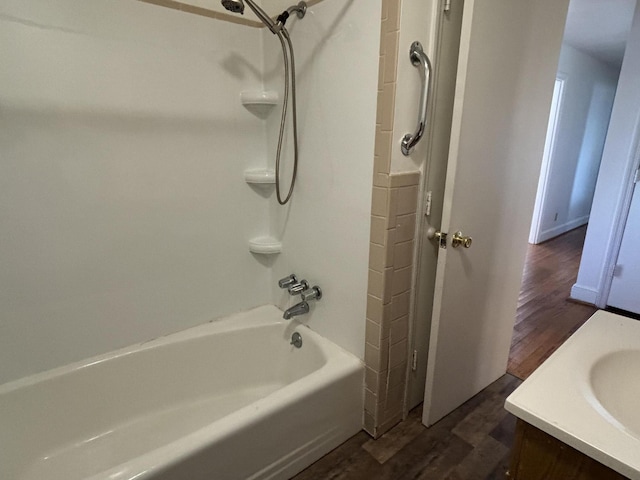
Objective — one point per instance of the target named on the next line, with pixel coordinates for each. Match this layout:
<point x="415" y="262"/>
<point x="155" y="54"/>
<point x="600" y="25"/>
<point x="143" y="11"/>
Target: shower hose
<point x="285" y="41"/>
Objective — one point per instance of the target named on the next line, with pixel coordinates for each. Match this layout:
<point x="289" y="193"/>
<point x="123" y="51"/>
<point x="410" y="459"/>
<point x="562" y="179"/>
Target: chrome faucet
<point x="286" y="282"/>
<point x="313" y="293"/>
<point x="293" y="285"/>
<point x="299" y="287"/>
<point x="298" y="309"/>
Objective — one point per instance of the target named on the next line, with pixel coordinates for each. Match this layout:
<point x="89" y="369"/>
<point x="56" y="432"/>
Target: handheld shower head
<point x="235" y="6"/>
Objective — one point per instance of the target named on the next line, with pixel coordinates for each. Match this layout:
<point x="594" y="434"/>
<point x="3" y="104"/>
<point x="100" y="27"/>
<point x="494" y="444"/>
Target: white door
<point x="508" y="59"/>
<point x="625" y="287"/>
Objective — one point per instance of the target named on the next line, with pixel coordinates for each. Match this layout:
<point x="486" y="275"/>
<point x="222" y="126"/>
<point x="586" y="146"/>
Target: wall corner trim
<point x="584" y="294"/>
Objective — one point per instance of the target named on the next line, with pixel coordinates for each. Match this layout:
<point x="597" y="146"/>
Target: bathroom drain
<point x="296" y="340"/>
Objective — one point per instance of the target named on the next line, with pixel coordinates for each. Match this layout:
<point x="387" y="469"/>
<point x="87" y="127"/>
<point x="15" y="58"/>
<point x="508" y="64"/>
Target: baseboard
<point x="584" y="294"/>
<point x="560" y="229"/>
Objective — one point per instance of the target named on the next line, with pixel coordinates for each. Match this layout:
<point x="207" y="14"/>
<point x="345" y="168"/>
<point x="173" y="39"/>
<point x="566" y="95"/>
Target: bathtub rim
<point x="254" y="317"/>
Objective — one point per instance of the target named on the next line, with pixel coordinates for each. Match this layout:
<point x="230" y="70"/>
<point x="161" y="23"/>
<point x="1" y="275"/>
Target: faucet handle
<point x="288" y="281"/>
<point x="298" y="287"/>
<point x="311" y="294"/>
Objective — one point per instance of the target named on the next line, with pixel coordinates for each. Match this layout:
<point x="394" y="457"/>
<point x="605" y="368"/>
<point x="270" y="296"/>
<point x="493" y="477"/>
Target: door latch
<point x="441" y="237"/>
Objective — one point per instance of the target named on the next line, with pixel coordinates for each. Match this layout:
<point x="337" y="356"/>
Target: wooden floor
<point x="471" y="443"/>
<point x="546" y="317"/>
<point x="474" y="441"/>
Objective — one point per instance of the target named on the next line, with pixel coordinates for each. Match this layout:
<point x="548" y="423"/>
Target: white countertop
<point x="587" y="394"/>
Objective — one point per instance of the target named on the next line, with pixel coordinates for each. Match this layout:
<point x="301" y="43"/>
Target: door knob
<point x="460" y="240"/>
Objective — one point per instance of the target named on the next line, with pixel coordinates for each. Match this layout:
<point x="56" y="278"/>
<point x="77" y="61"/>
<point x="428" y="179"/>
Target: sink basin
<point x="587" y="393"/>
<point x="615" y="380"/>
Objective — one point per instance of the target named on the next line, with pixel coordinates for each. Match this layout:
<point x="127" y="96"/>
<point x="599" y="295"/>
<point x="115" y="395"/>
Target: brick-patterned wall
<point x="393" y="223"/>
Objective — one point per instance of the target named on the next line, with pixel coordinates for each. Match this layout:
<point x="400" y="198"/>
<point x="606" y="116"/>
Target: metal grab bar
<point x="419" y="58"/>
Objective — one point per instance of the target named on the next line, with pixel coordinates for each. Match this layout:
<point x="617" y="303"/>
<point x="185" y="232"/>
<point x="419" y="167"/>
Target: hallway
<point x="546" y="317"/>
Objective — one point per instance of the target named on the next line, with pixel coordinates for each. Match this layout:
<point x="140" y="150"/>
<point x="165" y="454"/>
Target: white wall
<point x="613" y="185"/>
<point x="589" y="90"/>
<point x="122" y="203"/>
<point x="325" y="229"/>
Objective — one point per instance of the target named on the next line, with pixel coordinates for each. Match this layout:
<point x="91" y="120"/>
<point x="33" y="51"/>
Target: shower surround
<point x="128" y="219"/>
<point x="122" y="174"/>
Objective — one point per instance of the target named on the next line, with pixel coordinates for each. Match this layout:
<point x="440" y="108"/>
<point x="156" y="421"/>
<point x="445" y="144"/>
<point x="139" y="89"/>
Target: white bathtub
<point x="231" y="399"/>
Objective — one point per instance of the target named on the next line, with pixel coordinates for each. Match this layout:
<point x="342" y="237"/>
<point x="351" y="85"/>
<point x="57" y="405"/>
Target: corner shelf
<point x="265" y="245"/>
<point x="267" y="97"/>
<point x="260" y="176"/>
<point x="259" y="102"/>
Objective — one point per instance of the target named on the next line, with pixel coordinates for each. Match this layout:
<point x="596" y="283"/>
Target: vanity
<point x="579" y="412"/>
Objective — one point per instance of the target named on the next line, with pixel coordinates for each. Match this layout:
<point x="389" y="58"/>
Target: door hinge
<point x="447" y="5"/>
<point x="414" y="360"/>
<point x="427" y="206"/>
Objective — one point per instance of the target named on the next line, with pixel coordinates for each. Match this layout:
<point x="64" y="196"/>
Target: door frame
<point x="548" y="159"/>
<point x="621" y="214"/>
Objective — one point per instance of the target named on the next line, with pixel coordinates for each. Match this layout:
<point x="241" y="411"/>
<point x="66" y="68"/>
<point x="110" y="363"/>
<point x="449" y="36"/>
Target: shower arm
<point x="300" y="10"/>
<point x="264" y="17"/>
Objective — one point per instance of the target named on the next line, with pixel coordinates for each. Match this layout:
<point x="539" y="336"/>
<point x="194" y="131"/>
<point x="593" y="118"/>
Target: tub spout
<point x="298" y="309"/>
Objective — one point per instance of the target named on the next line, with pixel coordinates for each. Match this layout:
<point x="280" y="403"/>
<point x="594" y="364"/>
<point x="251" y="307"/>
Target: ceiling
<point x="600" y="28"/>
